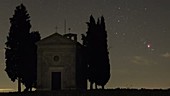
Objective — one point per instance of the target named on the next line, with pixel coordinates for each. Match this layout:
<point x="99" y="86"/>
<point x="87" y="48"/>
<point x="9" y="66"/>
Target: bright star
<point x="148" y="45"/>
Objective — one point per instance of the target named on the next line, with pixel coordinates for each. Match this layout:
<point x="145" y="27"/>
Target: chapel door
<point x="56" y="81"/>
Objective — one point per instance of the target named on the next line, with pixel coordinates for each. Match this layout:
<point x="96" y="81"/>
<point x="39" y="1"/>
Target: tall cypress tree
<point x="103" y="65"/>
<point x="19" y="46"/>
<point x="95" y="43"/>
<point x="90" y="54"/>
<point x="29" y="67"/>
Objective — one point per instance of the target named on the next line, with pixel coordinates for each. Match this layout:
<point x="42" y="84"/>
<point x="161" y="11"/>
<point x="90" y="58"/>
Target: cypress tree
<point x="91" y="51"/>
<point x="19" y="47"/>
<point x="97" y="53"/>
<point x="103" y="65"/>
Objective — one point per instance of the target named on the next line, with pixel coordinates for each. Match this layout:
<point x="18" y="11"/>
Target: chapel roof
<point x="57" y="38"/>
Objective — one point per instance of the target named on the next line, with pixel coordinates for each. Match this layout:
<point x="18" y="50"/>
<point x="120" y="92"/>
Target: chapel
<point x="60" y="63"/>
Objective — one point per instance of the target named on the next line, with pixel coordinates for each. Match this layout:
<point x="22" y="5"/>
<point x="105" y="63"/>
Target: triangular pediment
<point x="55" y="39"/>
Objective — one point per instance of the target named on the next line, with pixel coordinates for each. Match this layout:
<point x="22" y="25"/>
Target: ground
<point x="108" y="92"/>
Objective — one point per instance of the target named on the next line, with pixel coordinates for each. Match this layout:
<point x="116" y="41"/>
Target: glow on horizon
<point x="7" y="90"/>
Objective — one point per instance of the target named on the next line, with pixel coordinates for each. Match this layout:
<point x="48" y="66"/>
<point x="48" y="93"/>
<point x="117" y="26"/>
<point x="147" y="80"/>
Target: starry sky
<point x="138" y="35"/>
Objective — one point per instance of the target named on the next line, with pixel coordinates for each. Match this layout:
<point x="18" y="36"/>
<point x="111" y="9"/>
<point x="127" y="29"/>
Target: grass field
<point x="108" y="92"/>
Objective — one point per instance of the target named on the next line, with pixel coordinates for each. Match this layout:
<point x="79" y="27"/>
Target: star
<point x="149" y="45"/>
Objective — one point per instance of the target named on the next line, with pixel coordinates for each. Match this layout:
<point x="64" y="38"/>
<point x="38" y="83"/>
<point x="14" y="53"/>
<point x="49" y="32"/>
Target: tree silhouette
<point x="20" y="48"/>
<point x="89" y="43"/>
<point x="30" y="62"/>
<point x="95" y="43"/>
<point x="102" y="58"/>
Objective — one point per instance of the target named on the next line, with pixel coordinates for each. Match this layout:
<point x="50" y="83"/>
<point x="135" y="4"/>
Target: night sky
<point x="138" y="35"/>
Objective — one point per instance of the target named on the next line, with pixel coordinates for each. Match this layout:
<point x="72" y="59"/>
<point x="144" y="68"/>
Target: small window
<point x="56" y="58"/>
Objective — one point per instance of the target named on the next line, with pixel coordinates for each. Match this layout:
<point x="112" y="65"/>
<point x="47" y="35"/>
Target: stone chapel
<point x="60" y="63"/>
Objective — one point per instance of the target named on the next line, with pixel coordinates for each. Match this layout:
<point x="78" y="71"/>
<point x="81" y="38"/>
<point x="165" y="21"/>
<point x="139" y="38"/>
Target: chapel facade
<point x="60" y="63"/>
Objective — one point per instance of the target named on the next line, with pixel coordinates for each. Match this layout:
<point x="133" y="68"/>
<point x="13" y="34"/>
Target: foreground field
<point x="108" y="92"/>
